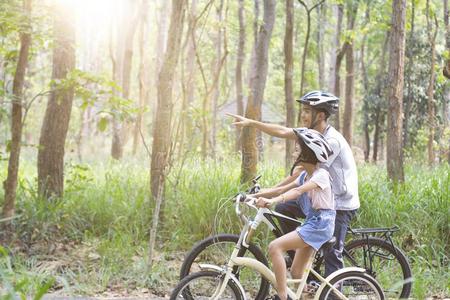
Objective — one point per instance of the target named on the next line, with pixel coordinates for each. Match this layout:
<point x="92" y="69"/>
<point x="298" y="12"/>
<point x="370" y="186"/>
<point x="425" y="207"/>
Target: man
<point x="317" y="107"/>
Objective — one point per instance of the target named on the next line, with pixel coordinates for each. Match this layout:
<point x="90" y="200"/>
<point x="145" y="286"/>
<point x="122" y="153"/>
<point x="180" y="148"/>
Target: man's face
<point x="307" y="115"/>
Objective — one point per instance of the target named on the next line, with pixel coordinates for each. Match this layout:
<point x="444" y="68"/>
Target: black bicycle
<point x="370" y="248"/>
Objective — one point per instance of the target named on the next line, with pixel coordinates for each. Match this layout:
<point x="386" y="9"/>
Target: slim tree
<point x="365" y="82"/>
<point x="124" y="71"/>
<point x="189" y="74"/>
<point x="320" y="34"/>
<point x="162" y="128"/>
<point x="238" y="74"/>
<point x="395" y="92"/>
<point x="258" y="78"/>
<point x="409" y="69"/>
<point x="432" y="33"/>
<point x="288" y="77"/>
<point x="143" y="73"/>
<point x="350" y="75"/>
<point x="57" y="115"/>
<point x="305" y="47"/>
<point x="340" y="52"/>
<point x="216" y="68"/>
<point x="10" y="184"/>
<point x="379" y="94"/>
<point x="446" y="69"/>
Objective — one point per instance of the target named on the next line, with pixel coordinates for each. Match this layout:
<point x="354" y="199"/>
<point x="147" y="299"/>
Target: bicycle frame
<point x="244" y="239"/>
<point x="267" y="216"/>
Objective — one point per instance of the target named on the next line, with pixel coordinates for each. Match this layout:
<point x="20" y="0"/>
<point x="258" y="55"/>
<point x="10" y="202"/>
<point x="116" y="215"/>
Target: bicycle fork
<point x="244" y="238"/>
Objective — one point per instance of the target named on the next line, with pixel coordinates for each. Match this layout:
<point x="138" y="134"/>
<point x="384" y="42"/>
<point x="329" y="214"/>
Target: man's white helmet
<point x="316" y="142"/>
<point x="321" y="100"/>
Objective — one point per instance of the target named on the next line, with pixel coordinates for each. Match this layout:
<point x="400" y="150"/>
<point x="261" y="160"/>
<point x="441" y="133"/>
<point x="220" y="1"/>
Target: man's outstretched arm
<point x="270" y="129"/>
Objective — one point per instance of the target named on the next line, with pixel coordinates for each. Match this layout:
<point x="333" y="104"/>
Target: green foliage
<point x="102" y="223"/>
<point x="99" y="91"/>
<point x="21" y="285"/>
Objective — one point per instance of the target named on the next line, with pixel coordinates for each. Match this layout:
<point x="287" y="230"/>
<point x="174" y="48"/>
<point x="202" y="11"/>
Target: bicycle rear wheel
<point x="355" y="286"/>
<point x="204" y="285"/>
<point x="386" y="263"/>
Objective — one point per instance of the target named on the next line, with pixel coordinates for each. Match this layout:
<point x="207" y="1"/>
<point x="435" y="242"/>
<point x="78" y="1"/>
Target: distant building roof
<point x="268" y="114"/>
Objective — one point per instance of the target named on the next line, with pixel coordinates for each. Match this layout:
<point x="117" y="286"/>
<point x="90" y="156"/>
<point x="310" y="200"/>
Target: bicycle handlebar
<point x="248" y="200"/>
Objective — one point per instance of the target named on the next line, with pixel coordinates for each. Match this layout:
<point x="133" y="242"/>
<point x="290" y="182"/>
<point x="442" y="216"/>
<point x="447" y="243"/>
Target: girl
<point x="316" y="201"/>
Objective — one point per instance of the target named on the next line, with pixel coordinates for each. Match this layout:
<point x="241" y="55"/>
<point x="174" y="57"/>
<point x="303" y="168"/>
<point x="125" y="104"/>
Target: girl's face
<point x="297" y="150"/>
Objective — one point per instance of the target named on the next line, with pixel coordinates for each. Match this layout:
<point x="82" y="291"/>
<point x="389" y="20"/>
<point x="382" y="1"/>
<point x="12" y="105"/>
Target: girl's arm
<point x="286" y="196"/>
<point x="275" y="191"/>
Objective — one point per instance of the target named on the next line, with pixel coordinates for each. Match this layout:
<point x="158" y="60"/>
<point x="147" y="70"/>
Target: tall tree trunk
<point x="190" y="71"/>
<point x="131" y="20"/>
<point x="162" y="128"/>
<point x="321" y="21"/>
<point x="338" y="61"/>
<point x="376" y="133"/>
<point x="305" y="47"/>
<point x="446" y="70"/>
<point x="334" y="48"/>
<point x="256" y="10"/>
<point x="162" y="132"/>
<point x="257" y="84"/>
<point x="57" y="115"/>
<point x="143" y="73"/>
<point x="409" y="68"/>
<point x="164" y="9"/>
<point x="395" y="90"/>
<point x="430" y="90"/>
<point x="10" y="184"/>
<point x="288" y="78"/>
<point x="216" y="69"/>
<point x="380" y="94"/>
<point x="116" y="49"/>
<point x="350" y="76"/>
<point x="238" y="73"/>
<point x="367" y="92"/>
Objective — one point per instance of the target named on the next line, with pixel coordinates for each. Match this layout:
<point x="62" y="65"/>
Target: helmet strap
<point x="313" y="119"/>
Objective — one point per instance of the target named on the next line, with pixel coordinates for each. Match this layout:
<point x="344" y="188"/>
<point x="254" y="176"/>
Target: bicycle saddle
<point x="328" y="244"/>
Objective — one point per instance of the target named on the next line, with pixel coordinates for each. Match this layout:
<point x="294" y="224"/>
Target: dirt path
<point x="59" y="297"/>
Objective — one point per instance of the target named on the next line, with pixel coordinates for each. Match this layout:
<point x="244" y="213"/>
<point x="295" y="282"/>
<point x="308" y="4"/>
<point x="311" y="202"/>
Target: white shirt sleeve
<point x="334" y="144"/>
<point x="322" y="178"/>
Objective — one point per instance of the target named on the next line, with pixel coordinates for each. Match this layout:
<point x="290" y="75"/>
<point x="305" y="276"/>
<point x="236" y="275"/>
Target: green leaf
<point x="103" y="124"/>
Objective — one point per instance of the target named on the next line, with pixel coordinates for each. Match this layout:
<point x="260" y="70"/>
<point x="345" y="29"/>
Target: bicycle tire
<point x="392" y="250"/>
<point x="183" y="289"/>
<point x="347" y="283"/>
<point x="200" y="247"/>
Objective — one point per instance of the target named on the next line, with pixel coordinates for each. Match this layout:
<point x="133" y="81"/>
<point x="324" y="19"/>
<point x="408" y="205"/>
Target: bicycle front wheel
<point x="386" y="263"/>
<point x="217" y="250"/>
<point x="353" y="285"/>
<point x="205" y="285"/>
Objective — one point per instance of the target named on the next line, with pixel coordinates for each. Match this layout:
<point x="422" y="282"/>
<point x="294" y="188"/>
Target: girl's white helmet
<point x="316" y="142"/>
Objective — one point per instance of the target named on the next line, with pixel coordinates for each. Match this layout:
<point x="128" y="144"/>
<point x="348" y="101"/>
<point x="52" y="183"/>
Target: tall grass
<point x="102" y="223"/>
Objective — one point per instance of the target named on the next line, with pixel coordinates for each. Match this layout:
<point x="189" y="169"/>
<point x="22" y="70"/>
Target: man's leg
<point x="290" y="209"/>
<point x="333" y="257"/>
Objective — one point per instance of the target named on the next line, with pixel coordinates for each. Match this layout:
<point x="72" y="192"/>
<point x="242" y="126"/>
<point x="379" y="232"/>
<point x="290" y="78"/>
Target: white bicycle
<point x="219" y="282"/>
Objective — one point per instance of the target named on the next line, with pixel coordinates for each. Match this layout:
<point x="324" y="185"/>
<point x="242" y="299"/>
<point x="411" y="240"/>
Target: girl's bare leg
<point x="276" y="249"/>
<point x="302" y="256"/>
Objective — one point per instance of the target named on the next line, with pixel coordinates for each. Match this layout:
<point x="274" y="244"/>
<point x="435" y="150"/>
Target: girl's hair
<point x="306" y="155"/>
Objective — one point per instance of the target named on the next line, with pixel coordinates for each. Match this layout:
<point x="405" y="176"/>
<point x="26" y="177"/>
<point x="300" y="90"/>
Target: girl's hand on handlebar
<point x="263" y="202"/>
